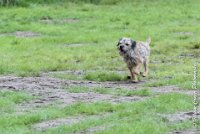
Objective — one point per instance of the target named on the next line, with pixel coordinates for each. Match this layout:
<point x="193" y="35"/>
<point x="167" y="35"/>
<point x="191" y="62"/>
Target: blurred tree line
<point x="28" y="2"/>
<point x="8" y="2"/>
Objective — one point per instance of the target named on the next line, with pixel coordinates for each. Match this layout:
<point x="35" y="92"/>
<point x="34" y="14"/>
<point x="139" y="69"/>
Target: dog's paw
<point x="144" y="75"/>
<point x="135" y="81"/>
<point x="136" y="72"/>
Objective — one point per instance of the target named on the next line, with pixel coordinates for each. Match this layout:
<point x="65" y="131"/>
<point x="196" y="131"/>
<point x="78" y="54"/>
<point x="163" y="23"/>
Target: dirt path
<point x="51" y="90"/>
<point x="48" y="82"/>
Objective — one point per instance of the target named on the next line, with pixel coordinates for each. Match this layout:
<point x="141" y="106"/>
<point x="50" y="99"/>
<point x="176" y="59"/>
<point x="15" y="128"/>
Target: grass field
<point x="60" y="50"/>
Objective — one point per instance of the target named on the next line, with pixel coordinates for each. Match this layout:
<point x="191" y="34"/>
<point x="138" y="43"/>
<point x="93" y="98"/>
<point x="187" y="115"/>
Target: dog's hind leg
<point x="132" y="75"/>
<point x="146" y="69"/>
<point x="137" y="69"/>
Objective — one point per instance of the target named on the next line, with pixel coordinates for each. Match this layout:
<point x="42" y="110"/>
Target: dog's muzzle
<point x="121" y="48"/>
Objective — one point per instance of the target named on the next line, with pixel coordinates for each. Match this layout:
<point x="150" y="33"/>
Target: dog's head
<point x="125" y="45"/>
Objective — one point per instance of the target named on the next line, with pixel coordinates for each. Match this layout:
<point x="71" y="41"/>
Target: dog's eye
<point x="126" y="44"/>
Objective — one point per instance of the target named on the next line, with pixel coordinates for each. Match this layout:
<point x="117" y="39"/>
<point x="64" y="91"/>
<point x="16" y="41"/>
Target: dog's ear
<point x="119" y="41"/>
<point x="133" y="44"/>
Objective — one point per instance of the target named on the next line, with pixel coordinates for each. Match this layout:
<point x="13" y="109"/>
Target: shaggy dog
<point x="135" y="54"/>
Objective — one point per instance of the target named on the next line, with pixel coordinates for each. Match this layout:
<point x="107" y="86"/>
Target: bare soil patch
<point x="50" y="20"/>
<point x="179" y="117"/>
<point x="107" y="84"/>
<point x="170" y="89"/>
<point x="57" y="122"/>
<point x="93" y="130"/>
<point x="51" y="90"/>
<point x="2" y="34"/>
<point x="26" y="34"/>
<point x="46" y="20"/>
<point x="74" y="44"/>
<point x="190" y="131"/>
<point x="42" y="126"/>
<point x="184" y="33"/>
<point x="70" y="20"/>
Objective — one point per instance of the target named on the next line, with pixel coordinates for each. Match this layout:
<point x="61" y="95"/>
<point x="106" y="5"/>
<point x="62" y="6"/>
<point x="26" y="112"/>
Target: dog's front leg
<point x="136" y="71"/>
<point x="133" y="76"/>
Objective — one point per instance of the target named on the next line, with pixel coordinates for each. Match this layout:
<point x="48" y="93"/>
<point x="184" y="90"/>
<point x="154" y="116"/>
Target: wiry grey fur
<point x="135" y="53"/>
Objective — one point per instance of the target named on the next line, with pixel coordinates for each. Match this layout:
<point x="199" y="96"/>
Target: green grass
<point x="141" y="113"/>
<point x="181" y="76"/>
<point x="173" y="49"/>
<point x="104" y="76"/>
<point x="9" y="99"/>
<point x="96" y="26"/>
<point x="48" y="52"/>
<point x="27" y="3"/>
<point x="120" y="115"/>
<point x="112" y="91"/>
<point x="92" y="76"/>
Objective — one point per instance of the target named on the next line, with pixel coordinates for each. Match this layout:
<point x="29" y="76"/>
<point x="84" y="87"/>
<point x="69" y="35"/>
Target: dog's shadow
<point x="128" y="80"/>
<point x="141" y="79"/>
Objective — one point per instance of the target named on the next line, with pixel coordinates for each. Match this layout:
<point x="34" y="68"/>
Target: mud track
<point x="50" y="90"/>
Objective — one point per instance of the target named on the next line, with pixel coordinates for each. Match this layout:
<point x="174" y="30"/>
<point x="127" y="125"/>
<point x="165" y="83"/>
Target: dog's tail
<point x="149" y="40"/>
